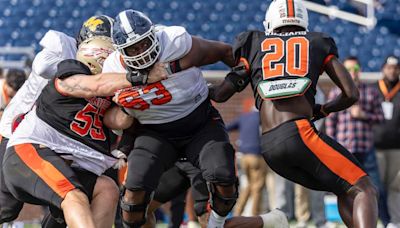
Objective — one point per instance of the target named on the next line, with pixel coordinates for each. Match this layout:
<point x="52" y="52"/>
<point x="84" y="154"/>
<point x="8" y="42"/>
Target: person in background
<point x="252" y="163"/>
<point x="353" y="129"/>
<point x="387" y="135"/>
<point x="9" y="86"/>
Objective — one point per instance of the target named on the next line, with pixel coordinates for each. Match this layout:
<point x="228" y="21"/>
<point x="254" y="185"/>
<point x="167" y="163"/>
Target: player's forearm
<point x="341" y="102"/>
<point x="222" y="92"/>
<point x="108" y="83"/>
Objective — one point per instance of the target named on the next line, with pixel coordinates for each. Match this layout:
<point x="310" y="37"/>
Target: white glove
<point x="121" y="159"/>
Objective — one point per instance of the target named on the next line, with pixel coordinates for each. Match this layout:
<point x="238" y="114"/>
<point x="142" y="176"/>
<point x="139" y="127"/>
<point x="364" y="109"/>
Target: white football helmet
<point x="131" y="27"/>
<point x="93" y="51"/>
<point x="285" y="12"/>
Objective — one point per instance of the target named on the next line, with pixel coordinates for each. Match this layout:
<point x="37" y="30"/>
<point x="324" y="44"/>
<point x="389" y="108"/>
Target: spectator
<point x="352" y="128"/>
<point x="9" y="86"/>
<point x="252" y="162"/>
<point x="387" y="136"/>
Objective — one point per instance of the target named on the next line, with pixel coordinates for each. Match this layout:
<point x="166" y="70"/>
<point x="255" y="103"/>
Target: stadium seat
<point x="24" y="22"/>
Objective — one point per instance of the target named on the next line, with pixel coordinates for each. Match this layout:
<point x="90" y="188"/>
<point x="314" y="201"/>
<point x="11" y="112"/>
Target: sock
<point x="216" y="221"/>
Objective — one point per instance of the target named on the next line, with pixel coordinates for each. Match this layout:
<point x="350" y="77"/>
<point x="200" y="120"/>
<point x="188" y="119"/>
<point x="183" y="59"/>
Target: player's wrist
<point x="136" y="78"/>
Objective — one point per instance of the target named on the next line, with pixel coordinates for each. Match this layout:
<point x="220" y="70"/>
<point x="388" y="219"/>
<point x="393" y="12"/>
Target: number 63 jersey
<point x="167" y="100"/>
<point x="291" y="55"/>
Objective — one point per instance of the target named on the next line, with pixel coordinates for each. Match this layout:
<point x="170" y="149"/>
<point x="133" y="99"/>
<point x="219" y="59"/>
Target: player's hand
<point x="157" y="73"/>
<point x="318" y="113"/>
<point x="121" y="159"/>
<point x="126" y="97"/>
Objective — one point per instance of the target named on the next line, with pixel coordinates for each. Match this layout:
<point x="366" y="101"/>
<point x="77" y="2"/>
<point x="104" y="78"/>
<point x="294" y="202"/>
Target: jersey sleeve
<point x="114" y="64"/>
<point x="70" y="67"/>
<point x="56" y="47"/>
<point x="175" y="43"/>
<point x="330" y="47"/>
<point x="241" y="45"/>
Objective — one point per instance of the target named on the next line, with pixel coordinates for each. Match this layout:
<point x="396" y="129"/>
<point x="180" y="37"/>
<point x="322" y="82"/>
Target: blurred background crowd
<point x="370" y="129"/>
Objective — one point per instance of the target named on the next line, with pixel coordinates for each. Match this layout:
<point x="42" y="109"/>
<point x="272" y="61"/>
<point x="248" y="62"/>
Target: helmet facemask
<point x="146" y="58"/>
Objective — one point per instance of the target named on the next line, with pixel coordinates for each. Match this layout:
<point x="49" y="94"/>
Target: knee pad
<point x="53" y="219"/>
<point x="218" y="163"/>
<point x="220" y="204"/>
<point x="131" y="207"/>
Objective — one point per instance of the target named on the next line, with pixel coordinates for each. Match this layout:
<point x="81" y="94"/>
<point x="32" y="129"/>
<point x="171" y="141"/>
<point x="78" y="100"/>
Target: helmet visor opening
<point x="139" y="47"/>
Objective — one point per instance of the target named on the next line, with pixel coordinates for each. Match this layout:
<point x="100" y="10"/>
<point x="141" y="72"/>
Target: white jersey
<point x="56" y="47"/>
<point x="34" y="130"/>
<point x="4" y="98"/>
<point x="170" y="99"/>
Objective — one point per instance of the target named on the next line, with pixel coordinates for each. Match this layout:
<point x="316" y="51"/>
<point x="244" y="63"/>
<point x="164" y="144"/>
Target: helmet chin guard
<point x="284" y="13"/>
<point x="130" y="28"/>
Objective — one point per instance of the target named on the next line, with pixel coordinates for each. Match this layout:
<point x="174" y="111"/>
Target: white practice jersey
<point x="170" y="99"/>
<point x="56" y="47"/>
<point x="34" y="130"/>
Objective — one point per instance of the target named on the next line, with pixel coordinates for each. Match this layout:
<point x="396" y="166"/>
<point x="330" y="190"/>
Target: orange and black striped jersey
<point x="78" y="118"/>
<point x="284" y="55"/>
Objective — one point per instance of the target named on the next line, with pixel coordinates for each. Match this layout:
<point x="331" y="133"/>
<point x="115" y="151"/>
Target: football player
<point x="58" y="153"/>
<point x="283" y="64"/>
<point x="175" y="115"/>
<point x="56" y="47"/>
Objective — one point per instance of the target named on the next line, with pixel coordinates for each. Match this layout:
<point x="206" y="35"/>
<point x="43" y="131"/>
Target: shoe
<point x="275" y="219"/>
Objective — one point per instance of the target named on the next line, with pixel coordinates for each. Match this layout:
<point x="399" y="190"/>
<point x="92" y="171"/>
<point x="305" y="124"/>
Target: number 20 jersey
<point x="284" y="55"/>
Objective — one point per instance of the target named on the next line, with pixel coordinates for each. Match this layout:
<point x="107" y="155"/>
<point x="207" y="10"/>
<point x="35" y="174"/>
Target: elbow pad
<point x="239" y="76"/>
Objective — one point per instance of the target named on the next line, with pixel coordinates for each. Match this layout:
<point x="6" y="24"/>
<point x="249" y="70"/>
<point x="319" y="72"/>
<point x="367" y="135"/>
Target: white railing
<point x="28" y="51"/>
<point x="332" y="11"/>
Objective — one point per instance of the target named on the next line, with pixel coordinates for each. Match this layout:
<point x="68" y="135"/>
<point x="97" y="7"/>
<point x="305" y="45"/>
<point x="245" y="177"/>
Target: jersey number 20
<point x="295" y="51"/>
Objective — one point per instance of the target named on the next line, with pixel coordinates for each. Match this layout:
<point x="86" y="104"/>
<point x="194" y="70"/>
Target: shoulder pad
<point x="70" y="67"/>
<point x="175" y="43"/>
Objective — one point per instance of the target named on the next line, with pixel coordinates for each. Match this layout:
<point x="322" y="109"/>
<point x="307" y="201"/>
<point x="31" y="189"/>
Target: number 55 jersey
<point x="72" y="127"/>
<point x="284" y="65"/>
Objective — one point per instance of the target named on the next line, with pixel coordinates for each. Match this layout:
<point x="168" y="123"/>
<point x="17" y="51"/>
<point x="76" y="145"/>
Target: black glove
<point x="318" y="112"/>
<point x="136" y="78"/>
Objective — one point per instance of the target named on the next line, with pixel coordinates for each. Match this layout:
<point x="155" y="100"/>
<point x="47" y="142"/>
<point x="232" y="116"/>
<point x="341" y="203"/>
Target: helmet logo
<point x="92" y="23"/>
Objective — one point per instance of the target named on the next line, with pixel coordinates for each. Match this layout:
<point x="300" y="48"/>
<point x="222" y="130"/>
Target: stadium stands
<point x="23" y="22"/>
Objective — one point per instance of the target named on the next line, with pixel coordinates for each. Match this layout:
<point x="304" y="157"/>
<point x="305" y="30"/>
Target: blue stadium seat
<point x="24" y="22"/>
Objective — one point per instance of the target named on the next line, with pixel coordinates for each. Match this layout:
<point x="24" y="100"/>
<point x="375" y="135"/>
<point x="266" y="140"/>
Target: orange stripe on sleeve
<point x="246" y="63"/>
<point x="334" y="160"/>
<point x="326" y="60"/>
<point x="58" y="88"/>
<point x="44" y="169"/>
